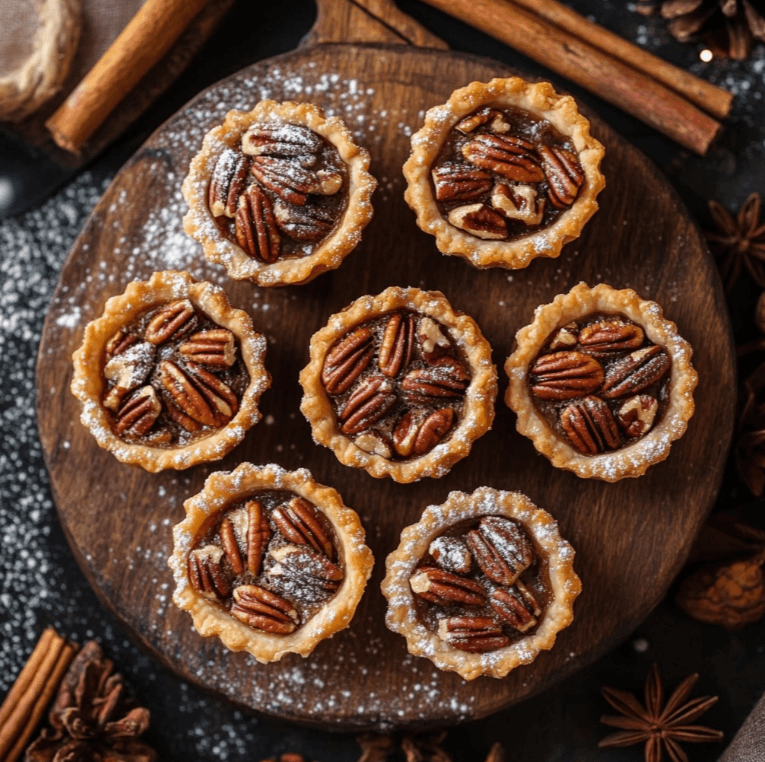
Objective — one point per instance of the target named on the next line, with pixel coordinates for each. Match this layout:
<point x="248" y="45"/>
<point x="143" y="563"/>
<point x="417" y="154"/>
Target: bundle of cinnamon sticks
<point x="682" y="106"/>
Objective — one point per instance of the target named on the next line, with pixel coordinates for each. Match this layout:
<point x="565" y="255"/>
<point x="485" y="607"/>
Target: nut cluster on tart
<point x="269" y="561"/>
<point x="399" y="384"/>
<point x="481" y="583"/>
<point x="503" y="172"/>
<point x="279" y="194"/>
<point x="601" y="382"/>
<point x="170" y="375"/>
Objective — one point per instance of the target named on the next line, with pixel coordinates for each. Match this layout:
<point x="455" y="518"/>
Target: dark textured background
<point x="40" y="584"/>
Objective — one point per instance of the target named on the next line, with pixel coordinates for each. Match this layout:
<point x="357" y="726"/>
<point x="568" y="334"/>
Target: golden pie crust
<point x="541" y="101"/>
<point x="200" y="224"/>
<point x="564" y="584"/>
<point x="88" y="382"/>
<point x="634" y="459"/>
<point x="478" y="406"/>
<point x="223" y="488"/>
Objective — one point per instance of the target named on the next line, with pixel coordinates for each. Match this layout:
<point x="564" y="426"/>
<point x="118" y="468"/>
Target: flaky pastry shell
<point x="632" y="460"/>
<point x="221" y="489"/>
<point x="539" y="99"/>
<point x="88" y="382"/>
<point x="478" y="411"/>
<point x="200" y="224"/>
<point x="564" y="583"/>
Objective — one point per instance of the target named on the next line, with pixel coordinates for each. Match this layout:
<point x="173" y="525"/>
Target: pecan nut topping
<point x="258" y="535"/>
<point x="206" y="573"/>
<point x="433" y="343"/>
<point x="479" y="220"/>
<point x="418" y="436"/>
<point x="228" y="182"/>
<point x="476" y="634"/>
<point x="516" y="606"/>
<point x="635" y="372"/>
<point x="511" y="157"/>
<point x="590" y="426"/>
<point x="119" y="343"/>
<point x="607" y="337"/>
<point x="293" y="183"/>
<point x="452" y="554"/>
<point x="564" y="175"/>
<point x="264" y="610"/>
<point x="453" y="182"/>
<point x="397" y="344"/>
<point x="282" y="140"/>
<point x="501" y="549"/>
<point x="127" y="370"/>
<point x="174" y="319"/>
<point x="199" y="394"/>
<point x="518" y="202"/>
<point x="304" y="564"/>
<point x="230" y="546"/>
<point x="215" y="348"/>
<point x="565" y="375"/>
<point x="255" y="225"/>
<point x="347" y="360"/>
<point x="446" y="377"/>
<point x="306" y="223"/>
<point x="299" y="522"/>
<point x="444" y="588"/>
<point x="637" y="414"/>
<point x="483" y="116"/>
<point x="368" y="403"/>
<point x="139" y="412"/>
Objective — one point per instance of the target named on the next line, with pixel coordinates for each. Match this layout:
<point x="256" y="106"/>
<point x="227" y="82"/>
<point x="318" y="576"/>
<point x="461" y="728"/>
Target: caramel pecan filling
<point x="482" y="585"/>
<point x="504" y="173"/>
<point x="601" y="383"/>
<point x="279" y="193"/>
<point x="172" y="376"/>
<point x="397" y="384"/>
<point x="270" y="560"/>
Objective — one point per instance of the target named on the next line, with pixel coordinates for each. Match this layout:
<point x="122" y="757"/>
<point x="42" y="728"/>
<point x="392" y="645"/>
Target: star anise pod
<point x="425" y="747"/>
<point x="660" y="726"/>
<point x="92" y="721"/>
<point x="739" y="240"/>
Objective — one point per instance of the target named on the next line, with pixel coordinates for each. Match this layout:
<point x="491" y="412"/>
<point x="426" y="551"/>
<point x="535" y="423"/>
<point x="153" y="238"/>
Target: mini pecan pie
<point x="279" y="194"/>
<point x="400" y="384"/>
<point x="504" y="172"/>
<point x="601" y="382"/>
<point x="481" y="583"/>
<point x="170" y="375"/>
<point x="269" y="561"/>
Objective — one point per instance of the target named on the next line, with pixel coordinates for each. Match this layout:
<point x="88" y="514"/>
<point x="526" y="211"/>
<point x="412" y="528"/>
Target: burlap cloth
<point x="749" y="743"/>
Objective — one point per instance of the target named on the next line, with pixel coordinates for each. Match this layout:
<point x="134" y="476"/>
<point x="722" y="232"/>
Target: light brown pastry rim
<point x="539" y="99"/>
<point x="200" y="224"/>
<point x="478" y="410"/>
<point x="402" y="618"/>
<point x="221" y="489"/>
<point x="630" y="461"/>
<point x="88" y="379"/>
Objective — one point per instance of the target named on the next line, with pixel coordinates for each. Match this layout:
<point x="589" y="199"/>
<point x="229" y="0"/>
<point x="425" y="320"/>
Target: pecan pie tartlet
<point x="171" y="374"/>
<point x="279" y="194"/>
<point x="269" y="561"/>
<point x="481" y="584"/>
<point x="601" y="382"/>
<point x="399" y="384"/>
<point x="504" y="172"/>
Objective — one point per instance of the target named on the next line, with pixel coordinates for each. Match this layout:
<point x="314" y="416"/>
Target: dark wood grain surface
<point x="631" y="538"/>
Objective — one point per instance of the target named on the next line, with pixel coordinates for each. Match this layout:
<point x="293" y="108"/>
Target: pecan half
<point x="291" y="182"/>
<point x="452" y="554"/>
<point x="255" y="225"/>
<point x="139" y="413"/>
<point x="264" y="610"/>
<point x="482" y="116"/>
<point x="518" y="202"/>
<point x="637" y="415"/>
<point x="457" y="182"/>
<point x="301" y="524"/>
<point x="433" y="343"/>
<point x="231" y="546"/>
<point x="307" y="223"/>
<point x="281" y="140"/>
<point x="206" y="573"/>
<point x="590" y="426"/>
<point x="119" y="343"/>
<point x="347" y="360"/>
<point x="183" y="420"/>
<point x="127" y="370"/>
<point x="198" y="393"/>
<point x="635" y="372"/>
<point x="444" y="588"/>
<point x="564" y="175"/>
<point x="565" y="375"/>
<point x="446" y="377"/>
<point x="516" y="606"/>
<point x="565" y="337"/>
<point x="415" y="435"/>
<point x="304" y="564"/>
<point x="215" y="348"/>
<point x="369" y="402"/>
<point x="258" y="535"/>
<point x="375" y="443"/>
<point x="607" y="337"/>
<point x="479" y="220"/>
<point x="397" y="344"/>
<point x="173" y="320"/>
<point x="508" y="156"/>
<point x="228" y="182"/>
<point x="501" y="549"/>
<point x="476" y="634"/>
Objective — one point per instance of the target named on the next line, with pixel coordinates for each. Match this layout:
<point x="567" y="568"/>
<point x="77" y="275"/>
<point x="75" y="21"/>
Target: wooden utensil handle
<point x="142" y="43"/>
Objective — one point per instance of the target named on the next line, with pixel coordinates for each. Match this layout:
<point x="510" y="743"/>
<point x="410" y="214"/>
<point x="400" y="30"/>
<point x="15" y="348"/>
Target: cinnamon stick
<point x="714" y="100"/>
<point x="142" y="43"/>
<point x="596" y="71"/>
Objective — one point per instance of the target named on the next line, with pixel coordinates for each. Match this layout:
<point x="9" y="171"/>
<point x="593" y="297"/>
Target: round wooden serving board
<point x="631" y="538"/>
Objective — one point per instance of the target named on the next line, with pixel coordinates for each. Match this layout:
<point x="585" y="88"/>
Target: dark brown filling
<point x="280" y="193"/>
<point x="503" y="174"/>
<point x="482" y="585"/>
<point x="269" y="559"/>
<point x="173" y="376"/>
<point x="397" y="384"/>
<point x="600" y="383"/>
